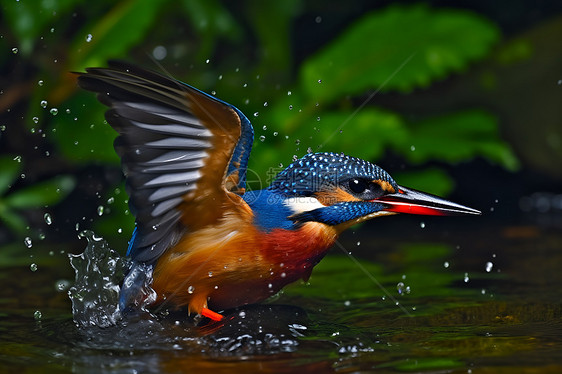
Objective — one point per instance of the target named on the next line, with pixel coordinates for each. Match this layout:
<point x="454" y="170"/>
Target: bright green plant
<point x="36" y="196"/>
<point x="326" y="103"/>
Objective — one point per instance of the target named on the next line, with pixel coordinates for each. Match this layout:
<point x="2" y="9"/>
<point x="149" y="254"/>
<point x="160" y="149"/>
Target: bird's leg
<point x="205" y="312"/>
<point x="199" y="303"/>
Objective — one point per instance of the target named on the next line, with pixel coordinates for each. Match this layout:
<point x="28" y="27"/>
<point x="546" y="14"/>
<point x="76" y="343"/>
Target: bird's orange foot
<point x="212" y="315"/>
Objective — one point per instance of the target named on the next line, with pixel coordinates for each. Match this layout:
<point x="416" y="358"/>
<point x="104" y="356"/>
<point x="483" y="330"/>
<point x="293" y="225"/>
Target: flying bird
<point x="203" y="241"/>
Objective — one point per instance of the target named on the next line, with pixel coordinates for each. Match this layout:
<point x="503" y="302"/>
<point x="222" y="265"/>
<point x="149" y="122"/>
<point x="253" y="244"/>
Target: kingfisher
<point x="201" y="240"/>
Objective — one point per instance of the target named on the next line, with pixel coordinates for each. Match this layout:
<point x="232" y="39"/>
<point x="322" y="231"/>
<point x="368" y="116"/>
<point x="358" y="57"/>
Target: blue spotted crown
<point x="320" y="171"/>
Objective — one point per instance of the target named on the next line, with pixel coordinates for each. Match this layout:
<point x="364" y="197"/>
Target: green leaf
<point x="9" y="171"/>
<point x="41" y="194"/>
<point x="428" y="364"/>
<point x="84" y="137"/>
<point x="12" y="219"/>
<point x="210" y="19"/>
<point x="365" y="133"/>
<point x="111" y="36"/>
<point x="400" y="48"/>
<point x="459" y="137"/>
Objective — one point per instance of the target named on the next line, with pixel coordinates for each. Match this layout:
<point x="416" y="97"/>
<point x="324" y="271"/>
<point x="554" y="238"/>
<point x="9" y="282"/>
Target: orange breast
<point x="232" y="263"/>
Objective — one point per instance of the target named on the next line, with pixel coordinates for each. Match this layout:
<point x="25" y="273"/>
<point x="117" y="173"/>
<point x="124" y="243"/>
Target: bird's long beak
<point x="415" y="202"/>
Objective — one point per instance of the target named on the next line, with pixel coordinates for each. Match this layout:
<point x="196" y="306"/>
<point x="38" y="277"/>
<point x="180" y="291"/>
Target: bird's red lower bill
<point x="411" y="201"/>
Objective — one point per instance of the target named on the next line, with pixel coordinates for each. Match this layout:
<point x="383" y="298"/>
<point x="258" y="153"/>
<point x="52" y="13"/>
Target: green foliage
<point x="331" y="105"/>
<point x="28" y="23"/>
<point x="112" y="35"/>
<point x="378" y="52"/>
<point x="39" y="195"/>
<point x="400" y="48"/>
<point x="467" y="134"/>
<point x="85" y="137"/>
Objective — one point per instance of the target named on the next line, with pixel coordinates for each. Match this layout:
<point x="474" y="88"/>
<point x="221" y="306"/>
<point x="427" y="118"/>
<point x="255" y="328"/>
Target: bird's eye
<point x="358" y="185"/>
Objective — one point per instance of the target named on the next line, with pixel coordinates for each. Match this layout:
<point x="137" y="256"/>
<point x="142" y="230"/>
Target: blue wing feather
<point x="164" y="146"/>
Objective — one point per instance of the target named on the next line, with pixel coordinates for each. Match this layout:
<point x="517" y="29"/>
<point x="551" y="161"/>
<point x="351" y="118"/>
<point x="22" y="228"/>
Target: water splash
<point x="99" y="272"/>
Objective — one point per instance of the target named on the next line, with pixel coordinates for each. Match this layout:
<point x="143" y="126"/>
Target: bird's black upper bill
<point x="415" y="202"/>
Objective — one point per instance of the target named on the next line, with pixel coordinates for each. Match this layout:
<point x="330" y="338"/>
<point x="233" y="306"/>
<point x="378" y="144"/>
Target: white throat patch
<point x="301" y="204"/>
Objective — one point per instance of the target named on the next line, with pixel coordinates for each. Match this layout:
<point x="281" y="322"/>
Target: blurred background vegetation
<point x="459" y="99"/>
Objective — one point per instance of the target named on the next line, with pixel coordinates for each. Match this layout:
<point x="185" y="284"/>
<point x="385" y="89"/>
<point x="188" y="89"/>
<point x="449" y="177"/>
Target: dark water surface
<point x="477" y="299"/>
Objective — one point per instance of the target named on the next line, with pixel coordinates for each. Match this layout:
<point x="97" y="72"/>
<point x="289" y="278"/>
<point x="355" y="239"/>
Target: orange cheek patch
<point x="385" y="186"/>
<point x="335" y="196"/>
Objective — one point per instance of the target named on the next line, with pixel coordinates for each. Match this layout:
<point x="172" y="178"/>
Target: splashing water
<point x="99" y="272"/>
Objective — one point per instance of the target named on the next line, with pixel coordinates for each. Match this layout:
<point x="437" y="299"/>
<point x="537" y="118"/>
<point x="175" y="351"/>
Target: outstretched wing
<point x="183" y="152"/>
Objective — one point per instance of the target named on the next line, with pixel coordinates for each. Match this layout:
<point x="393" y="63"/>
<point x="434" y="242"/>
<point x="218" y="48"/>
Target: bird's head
<point x="339" y="190"/>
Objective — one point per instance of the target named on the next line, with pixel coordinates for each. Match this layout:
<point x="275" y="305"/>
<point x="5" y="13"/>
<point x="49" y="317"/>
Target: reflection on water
<point x="507" y="315"/>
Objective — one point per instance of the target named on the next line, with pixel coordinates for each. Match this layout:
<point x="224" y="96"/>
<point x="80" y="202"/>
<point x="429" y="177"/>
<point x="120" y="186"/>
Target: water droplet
<point x="257" y="114"/>
<point x="220" y="77"/>
<point x="33" y="267"/>
<point x="62" y="285"/>
<point x="100" y="210"/>
<point x="35" y="119"/>
<point x="422" y="225"/>
<point x="270" y="285"/>
<point x="289" y="93"/>
<point x="48" y="219"/>
<point x="54" y="111"/>
<point x="358" y="243"/>
<point x="290" y="107"/>
<point x="210" y="274"/>
<point x="89" y="38"/>
<point x="262" y="138"/>
<point x="40" y="83"/>
<point x="37" y="315"/>
<point x="446" y="264"/>
<point x="317" y="118"/>
<point x="207" y="61"/>
<point x="466" y="278"/>
<point x="319" y="80"/>
<point x="347" y="303"/>
<point x="264" y="127"/>
<point x="275" y="133"/>
<point x="400" y="288"/>
<point x="242" y="314"/>
<point x="190" y="289"/>
<point x="159" y="52"/>
<point x="27" y="241"/>
<point x="560" y="82"/>
<point x="15" y="50"/>
<point x="283" y="275"/>
<point x="43" y="104"/>
<point x="412" y="148"/>
<point x="265" y="104"/>
<point x="318" y="19"/>
<point x="489" y="266"/>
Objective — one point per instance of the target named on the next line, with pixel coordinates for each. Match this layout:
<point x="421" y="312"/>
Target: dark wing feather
<point x="182" y="152"/>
